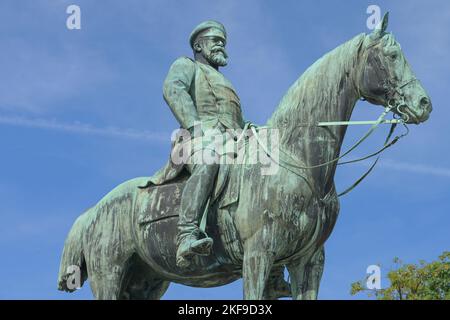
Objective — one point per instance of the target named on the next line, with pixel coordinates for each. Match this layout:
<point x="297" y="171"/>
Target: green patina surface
<point x="259" y="224"/>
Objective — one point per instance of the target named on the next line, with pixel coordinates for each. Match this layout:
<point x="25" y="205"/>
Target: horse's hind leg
<point x="158" y="288"/>
<point x="141" y="282"/>
<point x="145" y="289"/>
<point x="107" y="285"/>
<point x="107" y="271"/>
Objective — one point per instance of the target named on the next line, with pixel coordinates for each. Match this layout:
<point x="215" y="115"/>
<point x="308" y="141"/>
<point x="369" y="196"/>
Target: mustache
<point x="219" y="49"/>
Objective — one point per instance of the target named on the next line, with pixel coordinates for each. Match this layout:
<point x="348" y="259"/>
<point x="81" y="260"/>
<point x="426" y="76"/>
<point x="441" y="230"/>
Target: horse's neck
<point x="325" y="92"/>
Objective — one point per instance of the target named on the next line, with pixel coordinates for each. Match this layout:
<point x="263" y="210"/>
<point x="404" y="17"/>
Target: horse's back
<point x="112" y="215"/>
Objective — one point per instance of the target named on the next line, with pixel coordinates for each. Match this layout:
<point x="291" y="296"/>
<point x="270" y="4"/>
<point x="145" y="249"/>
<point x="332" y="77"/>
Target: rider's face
<point x="213" y="50"/>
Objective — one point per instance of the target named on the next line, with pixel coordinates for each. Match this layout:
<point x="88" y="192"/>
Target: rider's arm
<point x="176" y="92"/>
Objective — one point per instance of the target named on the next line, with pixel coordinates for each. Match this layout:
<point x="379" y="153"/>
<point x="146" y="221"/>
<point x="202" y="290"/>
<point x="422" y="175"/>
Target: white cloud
<point x="403" y="166"/>
<point x="415" y="168"/>
<point x="159" y="137"/>
<point x="80" y="128"/>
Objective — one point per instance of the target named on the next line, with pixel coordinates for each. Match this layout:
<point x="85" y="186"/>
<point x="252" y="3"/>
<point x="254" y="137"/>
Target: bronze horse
<point x="125" y="244"/>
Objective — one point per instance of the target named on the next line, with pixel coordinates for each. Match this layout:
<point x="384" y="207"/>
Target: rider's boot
<point x="192" y="244"/>
<point x="191" y="240"/>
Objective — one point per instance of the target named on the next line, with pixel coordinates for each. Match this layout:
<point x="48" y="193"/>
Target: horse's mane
<point x="309" y="97"/>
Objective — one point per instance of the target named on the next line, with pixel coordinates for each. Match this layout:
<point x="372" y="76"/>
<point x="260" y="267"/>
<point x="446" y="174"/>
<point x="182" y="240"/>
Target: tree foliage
<point x="422" y="281"/>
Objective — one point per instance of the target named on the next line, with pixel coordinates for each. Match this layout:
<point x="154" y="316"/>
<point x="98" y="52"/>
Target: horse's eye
<point x="393" y="56"/>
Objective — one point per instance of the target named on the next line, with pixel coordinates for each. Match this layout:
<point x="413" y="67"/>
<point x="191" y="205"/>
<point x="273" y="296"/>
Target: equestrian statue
<point x="214" y="214"/>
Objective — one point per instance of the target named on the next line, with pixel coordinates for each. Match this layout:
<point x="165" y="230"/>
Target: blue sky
<point x="82" y="111"/>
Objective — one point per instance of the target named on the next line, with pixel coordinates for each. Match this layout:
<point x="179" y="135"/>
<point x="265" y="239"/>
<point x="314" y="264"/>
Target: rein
<point x="285" y="160"/>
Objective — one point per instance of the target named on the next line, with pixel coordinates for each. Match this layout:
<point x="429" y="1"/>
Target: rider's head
<point x="208" y="41"/>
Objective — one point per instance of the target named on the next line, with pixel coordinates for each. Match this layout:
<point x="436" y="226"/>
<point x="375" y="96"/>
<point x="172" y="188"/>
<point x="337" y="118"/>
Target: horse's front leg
<point x="305" y="276"/>
<point x="297" y="275"/>
<point x="276" y="286"/>
<point x="314" y="271"/>
<point x="256" y="268"/>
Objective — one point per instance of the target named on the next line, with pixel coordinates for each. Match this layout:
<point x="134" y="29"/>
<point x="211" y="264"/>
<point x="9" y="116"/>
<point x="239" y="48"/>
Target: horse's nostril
<point x="424" y="102"/>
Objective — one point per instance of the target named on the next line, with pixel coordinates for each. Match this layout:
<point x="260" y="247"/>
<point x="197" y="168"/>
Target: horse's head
<point x="385" y="77"/>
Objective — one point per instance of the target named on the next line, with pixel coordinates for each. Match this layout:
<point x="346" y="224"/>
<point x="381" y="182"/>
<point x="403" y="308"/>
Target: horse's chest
<point x="299" y="222"/>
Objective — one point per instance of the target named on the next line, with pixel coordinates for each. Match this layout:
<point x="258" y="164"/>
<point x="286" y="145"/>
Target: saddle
<point x="166" y="197"/>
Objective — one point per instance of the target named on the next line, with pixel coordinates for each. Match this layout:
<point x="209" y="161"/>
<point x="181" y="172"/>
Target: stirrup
<point x="201" y="247"/>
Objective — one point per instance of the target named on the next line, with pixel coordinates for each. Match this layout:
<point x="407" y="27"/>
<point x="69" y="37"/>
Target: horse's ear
<point x="381" y="27"/>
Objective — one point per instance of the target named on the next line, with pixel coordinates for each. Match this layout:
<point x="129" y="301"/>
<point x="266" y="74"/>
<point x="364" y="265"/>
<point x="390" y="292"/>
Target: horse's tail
<point x="72" y="269"/>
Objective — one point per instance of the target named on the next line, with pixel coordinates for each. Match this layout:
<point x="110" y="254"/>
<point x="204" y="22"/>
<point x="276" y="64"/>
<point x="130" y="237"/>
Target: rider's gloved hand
<point x="250" y="124"/>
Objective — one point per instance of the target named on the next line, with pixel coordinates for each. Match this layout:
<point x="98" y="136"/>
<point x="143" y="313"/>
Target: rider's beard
<point x="217" y="58"/>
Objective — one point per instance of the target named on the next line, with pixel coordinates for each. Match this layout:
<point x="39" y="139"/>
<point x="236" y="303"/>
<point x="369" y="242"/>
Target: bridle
<point x="401" y="102"/>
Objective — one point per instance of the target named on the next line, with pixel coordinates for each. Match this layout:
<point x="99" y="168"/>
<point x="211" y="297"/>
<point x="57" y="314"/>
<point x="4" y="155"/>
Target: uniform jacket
<point x="196" y="92"/>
